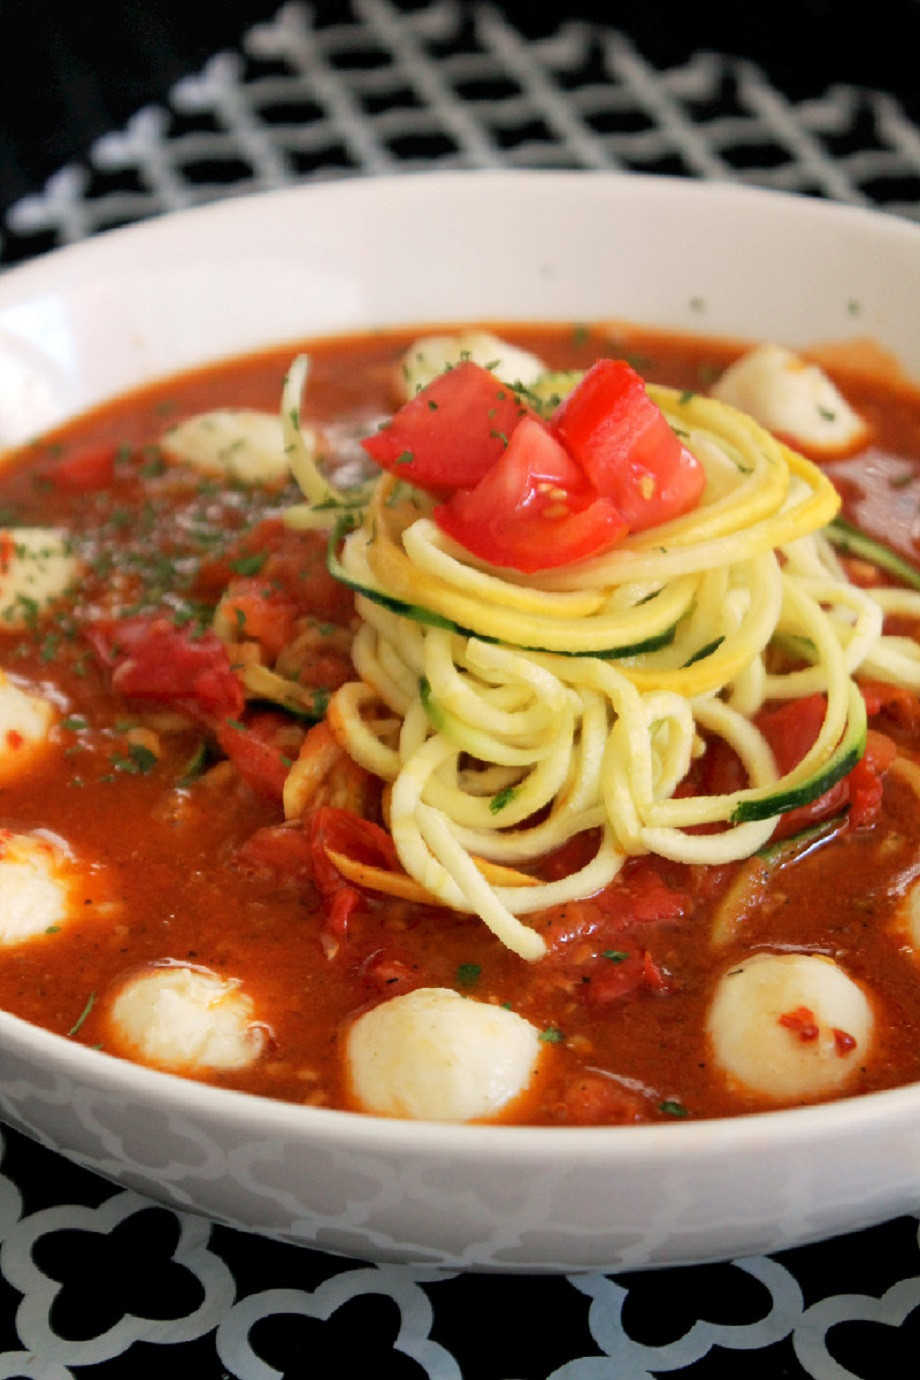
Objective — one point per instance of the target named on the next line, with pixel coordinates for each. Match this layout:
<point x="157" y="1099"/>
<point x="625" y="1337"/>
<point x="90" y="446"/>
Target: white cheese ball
<point x="431" y="355"/>
<point x="239" y="444"/>
<point x="432" y="1055"/>
<point x="187" y="1020"/>
<point x="36" y="568"/>
<point x="34" y="887"/>
<point x="789" y="396"/>
<point x="25" y="726"/>
<point x="789" y="1026"/>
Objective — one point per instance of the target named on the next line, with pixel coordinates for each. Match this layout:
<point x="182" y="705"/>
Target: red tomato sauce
<point x="180" y="846"/>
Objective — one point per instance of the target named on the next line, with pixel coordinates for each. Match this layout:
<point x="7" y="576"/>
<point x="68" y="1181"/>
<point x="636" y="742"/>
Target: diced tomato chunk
<point x="281" y="849"/>
<point x="452" y="432"/>
<point x="85" y="469"/>
<point x="290" y="566"/>
<point x="150" y="658"/>
<point x="261" y="614"/>
<point x="624" y="443"/>
<point x="896" y="702"/>
<point x="791" y="729"/>
<point x="625" y="446"/>
<point x="533" y="510"/>
<point x="261" y="748"/>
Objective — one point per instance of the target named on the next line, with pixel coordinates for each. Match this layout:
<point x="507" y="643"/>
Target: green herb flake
<point x="138" y="761"/>
<point x="615" y="955"/>
<point x="468" y="974"/>
<point x="552" y="1035"/>
<point x="194" y="766"/>
<point x="91" y="1001"/>
<point x="249" y="565"/>
<point x="501" y="799"/>
<point x="671" y="1107"/>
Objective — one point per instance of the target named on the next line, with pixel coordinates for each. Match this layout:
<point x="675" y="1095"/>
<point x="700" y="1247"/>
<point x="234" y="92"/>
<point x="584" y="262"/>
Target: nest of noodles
<point x="508" y="713"/>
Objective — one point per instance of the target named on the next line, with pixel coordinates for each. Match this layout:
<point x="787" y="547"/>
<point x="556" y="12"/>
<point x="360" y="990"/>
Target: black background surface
<point x="69" y="72"/>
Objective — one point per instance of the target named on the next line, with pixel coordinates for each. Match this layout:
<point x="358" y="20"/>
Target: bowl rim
<point x="111" y="1074"/>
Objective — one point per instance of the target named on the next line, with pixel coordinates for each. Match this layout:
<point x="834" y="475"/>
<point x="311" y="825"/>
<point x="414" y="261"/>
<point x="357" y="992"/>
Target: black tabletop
<point x="112" y="113"/>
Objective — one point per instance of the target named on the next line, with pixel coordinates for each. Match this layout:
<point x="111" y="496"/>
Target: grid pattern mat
<point x="386" y="87"/>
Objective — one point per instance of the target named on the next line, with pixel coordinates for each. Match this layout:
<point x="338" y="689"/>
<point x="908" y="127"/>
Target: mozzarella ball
<point x="789" y="1026"/>
<point x="231" y="443"/>
<point x="432" y="1055"/>
<point x="185" y="1019"/>
<point x="793" y="398"/>
<point x="25" y="725"/>
<point x="431" y="355"/>
<point x="36" y="568"/>
<point x="34" y="886"/>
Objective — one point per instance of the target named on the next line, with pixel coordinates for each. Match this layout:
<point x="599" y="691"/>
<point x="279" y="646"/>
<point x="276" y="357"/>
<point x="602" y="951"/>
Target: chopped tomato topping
<point x="85" y="468"/>
<point x="791" y="730"/>
<point x="531" y="496"/>
<point x="895" y="701"/>
<point x="534" y="509"/>
<point x="801" y="1022"/>
<point x="625" y="446"/>
<point x="150" y="658"/>
<point x="261" y="614"/>
<point x="280" y="849"/>
<point x="452" y="432"/>
<point x="262" y="748"/>
<point x="292" y="565"/>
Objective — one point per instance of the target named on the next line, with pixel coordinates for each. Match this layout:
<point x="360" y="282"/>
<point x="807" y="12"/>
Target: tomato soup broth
<point x="169" y="816"/>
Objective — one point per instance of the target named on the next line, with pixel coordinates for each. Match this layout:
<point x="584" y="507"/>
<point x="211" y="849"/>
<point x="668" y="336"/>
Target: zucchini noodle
<point x="509" y="713"/>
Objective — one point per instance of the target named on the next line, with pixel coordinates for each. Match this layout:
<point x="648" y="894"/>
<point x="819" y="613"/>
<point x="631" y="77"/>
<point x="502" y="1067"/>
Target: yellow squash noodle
<point x="510" y="713"/>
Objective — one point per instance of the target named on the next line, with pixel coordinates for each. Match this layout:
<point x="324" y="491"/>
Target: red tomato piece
<point x="150" y="658"/>
<point x="897" y="703"/>
<point x="261" y="614"/>
<point x="260" y="749"/>
<point x="85" y="468"/>
<point x="290" y="565"/>
<point x="344" y="832"/>
<point x="624" y="444"/>
<point x="791" y="729"/>
<point x="533" y="510"/>
<point x="359" y="839"/>
<point x="451" y="432"/>
<point x="280" y="849"/>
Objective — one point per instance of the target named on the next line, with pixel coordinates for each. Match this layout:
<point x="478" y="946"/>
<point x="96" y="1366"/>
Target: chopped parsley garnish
<point x="671" y="1107"/>
<point x="83" y="1014"/>
<point x="137" y="761"/>
<point x="552" y="1035"/>
<point x="501" y="799"/>
<point x="249" y="565"/>
<point x="615" y="955"/>
<point x="468" y="974"/>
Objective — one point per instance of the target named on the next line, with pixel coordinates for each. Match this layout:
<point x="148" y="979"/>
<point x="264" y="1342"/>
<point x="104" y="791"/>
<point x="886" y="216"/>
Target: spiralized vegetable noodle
<point x="508" y="713"/>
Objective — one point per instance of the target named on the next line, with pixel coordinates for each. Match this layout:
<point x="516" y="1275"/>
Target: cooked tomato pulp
<point x="173" y="826"/>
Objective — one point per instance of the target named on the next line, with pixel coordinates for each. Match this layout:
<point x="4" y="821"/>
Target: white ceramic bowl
<point x="86" y="322"/>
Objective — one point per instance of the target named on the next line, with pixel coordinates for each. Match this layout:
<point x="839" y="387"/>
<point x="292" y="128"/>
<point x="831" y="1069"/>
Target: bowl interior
<point x="88" y="322"/>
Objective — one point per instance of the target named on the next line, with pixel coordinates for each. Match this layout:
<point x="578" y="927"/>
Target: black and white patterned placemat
<point x="97" y="1282"/>
<point x="379" y="88"/>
